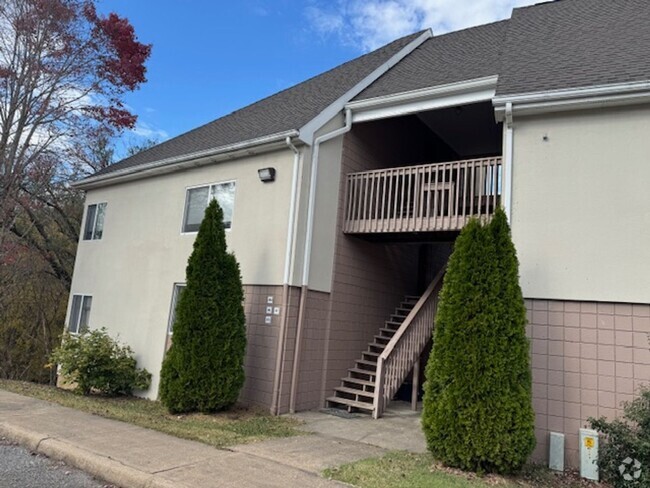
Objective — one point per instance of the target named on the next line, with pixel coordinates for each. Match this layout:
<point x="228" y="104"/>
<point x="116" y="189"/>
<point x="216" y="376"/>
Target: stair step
<point x="412" y="297"/>
<point x="382" y="338"/>
<point x="377" y="345"/>
<point x="351" y="403"/>
<point x="394" y="322"/>
<point x="354" y="391"/>
<point x="366" y="372"/>
<point x="388" y="331"/>
<point x="404" y="311"/>
<point x="371" y="353"/>
<point x="366" y="362"/>
<point x="357" y="381"/>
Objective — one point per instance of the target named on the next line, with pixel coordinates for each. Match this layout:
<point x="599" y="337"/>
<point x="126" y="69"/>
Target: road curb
<point x="98" y="465"/>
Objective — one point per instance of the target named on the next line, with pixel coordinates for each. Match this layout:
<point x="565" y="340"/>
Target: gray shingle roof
<point x="575" y="43"/>
<point x="287" y="110"/>
<point x="554" y="45"/>
<point x="462" y="55"/>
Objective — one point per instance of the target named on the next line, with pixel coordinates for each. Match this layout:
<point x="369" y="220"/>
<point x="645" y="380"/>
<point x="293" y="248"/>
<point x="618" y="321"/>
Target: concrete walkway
<point x="399" y="428"/>
<point x="134" y="457"/>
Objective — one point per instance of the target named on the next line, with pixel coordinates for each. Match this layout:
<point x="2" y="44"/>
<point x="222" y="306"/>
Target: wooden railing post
<point x="378" y="407"/>
<point x="415" y="385"/>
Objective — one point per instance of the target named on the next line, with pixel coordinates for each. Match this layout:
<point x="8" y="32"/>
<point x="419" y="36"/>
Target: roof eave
<point x="308" y="131"/>
<point x="430" y="98"/>
<point x="199" y="158"/>
<point x="615" y="94"/>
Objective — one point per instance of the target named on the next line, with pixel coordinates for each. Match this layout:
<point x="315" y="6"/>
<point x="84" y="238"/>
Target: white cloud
<point x="368" y="24"/>
<point x="148" y="131"/>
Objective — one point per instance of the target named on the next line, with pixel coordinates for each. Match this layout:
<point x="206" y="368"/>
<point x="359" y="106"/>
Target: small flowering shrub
<point x="96" y="362"/>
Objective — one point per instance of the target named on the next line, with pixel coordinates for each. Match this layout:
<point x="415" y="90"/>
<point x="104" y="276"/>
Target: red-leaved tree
<point x="64" y="72"/>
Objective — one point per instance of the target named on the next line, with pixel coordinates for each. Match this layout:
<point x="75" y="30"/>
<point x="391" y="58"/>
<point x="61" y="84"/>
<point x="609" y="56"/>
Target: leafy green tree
<point x="477" y="406"/>
<point x="204" y="368"/>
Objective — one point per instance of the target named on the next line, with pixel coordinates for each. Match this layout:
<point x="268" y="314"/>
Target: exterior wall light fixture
<point x="266" y="174"/>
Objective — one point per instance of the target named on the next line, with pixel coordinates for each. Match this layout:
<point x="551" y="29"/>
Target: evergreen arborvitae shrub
<point x="204" y="368"/>
<point x="477" y="406"/>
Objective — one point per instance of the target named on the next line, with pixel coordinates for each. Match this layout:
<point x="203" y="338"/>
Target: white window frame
<point x="209" y="185"/>
<point x="172" y="309"/>
<point x="94" y="227"/>
<point x="81" y="306"/>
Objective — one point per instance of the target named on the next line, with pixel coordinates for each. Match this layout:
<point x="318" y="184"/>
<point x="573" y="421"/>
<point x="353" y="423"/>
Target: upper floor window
<point x="79" y="313"/>
<point x="197" y="199"/>
<point x="95" y="221"/>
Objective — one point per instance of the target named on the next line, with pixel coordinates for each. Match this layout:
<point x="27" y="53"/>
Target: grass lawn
<point x="236" y="426"/>
<point x="408" y="470"/>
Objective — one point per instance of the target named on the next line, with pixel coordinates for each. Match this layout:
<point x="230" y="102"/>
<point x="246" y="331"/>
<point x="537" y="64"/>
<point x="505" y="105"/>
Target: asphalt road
<point x="19" y="468"/>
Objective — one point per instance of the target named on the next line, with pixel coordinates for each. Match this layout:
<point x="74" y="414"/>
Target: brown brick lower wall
<point x="262" y="343"/>
<point x="587" y="358"/>
<point x="262" y="347"/>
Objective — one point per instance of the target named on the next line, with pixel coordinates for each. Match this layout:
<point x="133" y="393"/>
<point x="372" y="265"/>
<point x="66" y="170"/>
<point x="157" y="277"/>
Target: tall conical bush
<point x="477" y="405"/>
<point x="204" y="368"/>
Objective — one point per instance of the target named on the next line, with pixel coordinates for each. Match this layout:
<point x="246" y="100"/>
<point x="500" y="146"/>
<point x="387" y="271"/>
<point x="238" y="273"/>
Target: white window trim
<point x="172" y="308"/>
<point x="92" y="237"/>
<point x="187" y="188"/>
<point x="82" y="295"/>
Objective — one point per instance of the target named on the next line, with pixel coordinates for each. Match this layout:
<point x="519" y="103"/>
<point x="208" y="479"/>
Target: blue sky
<point x="212" y="57"/>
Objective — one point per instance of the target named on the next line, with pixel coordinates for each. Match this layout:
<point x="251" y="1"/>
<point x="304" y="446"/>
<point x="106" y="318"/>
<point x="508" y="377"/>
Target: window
<point x="178" y="291"/>
<point x="79" y="313"/>
<point x="197" y="200"/>
<point x="95" y="221"/>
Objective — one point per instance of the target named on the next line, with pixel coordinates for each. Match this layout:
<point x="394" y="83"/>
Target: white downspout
<point x="312" y="191"/>
<point x="292" y="211"/>
<point x="288" y="259"/>
<point x="307" y="251"/>
<point x="509" y="149"/>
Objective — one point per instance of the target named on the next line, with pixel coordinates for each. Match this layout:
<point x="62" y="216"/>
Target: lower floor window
<point x="79" y="313"/>
<point x="176" y="294"/>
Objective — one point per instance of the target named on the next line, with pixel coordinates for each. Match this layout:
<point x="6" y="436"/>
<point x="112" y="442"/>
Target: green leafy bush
<point x="204" y="368"/>
<point x="96" y="362"/>
<point x="625" y="441"/>
<point x="478" y="411"/>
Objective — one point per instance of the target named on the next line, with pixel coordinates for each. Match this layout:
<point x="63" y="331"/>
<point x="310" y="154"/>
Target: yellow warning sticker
<point x="589" y="442"/>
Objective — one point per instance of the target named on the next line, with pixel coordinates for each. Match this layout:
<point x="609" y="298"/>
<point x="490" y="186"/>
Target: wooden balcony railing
<point x="402" y="353"/>
<point x="422" y="198"/>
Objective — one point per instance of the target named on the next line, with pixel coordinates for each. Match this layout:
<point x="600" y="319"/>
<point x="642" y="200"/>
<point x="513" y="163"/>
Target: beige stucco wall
<point x="581" y="204"/>
<point x="130" y="272"/>
<point x="327" y="199"/>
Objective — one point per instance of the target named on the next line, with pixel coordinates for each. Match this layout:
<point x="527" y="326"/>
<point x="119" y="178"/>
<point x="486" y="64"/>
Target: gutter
<point x="307" y="252"/>
<point x="230" y="151"/>
<point x="440" y="91"/>
<point x="573" y="98"/>
<point x="288" y="266"/>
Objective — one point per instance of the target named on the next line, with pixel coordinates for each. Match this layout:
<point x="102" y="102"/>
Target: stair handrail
<point x="380" y="394"/>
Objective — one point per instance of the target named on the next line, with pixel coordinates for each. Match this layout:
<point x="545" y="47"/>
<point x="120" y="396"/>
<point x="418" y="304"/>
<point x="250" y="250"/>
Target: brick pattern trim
<point x="587" y="358"/>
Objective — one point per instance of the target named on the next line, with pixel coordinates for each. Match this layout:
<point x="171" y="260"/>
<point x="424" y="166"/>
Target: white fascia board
<point x="574" y="98"/>
<point x="200" y="158"/>
<point x="449" y="95"/>
<point x="308" y="130"/>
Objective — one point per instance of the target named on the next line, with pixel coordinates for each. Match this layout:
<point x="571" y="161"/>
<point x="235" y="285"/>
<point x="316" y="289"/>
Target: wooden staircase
<point x="357" y="390"/>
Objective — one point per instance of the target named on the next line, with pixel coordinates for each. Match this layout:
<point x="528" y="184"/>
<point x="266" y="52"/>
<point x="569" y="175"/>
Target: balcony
<point x="437" y="197"/>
